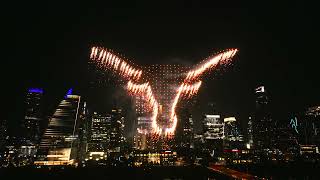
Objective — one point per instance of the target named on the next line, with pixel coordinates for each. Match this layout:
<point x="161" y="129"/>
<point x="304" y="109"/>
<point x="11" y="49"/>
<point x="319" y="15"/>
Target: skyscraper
<point x="184" y="132"/>
<point x="213" y="128"/>
<point x="233" y="139"/>
<point x="100" y="131"/>
<point x="263" y="126"/>
<point x="310" y="126"/>
<point x="249" y="133"/>
<point x="99" y="135"/>
<point x="117" y="138"/>
<point x="59" y="142"/>
<point x="33" y="115"/>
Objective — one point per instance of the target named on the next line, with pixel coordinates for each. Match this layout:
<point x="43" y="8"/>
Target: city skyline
<point x="267" y="56"/>
<point x="154" y="105"/>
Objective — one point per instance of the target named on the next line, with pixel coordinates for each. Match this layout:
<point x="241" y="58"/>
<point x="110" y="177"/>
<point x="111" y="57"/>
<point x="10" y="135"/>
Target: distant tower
<point x="263" y="126"/>
<point x="33" y="115"/>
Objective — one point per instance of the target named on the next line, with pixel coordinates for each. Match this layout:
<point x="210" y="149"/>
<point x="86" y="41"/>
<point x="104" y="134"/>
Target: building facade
<point x="33" y="115"/>
<point x="263" y="126"/>
<point x="233" y="139"/>
<point x="59" y="144"/>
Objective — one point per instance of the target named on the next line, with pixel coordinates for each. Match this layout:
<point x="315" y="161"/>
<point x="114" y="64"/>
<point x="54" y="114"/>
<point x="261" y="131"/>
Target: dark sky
<point x="278" y="43"/>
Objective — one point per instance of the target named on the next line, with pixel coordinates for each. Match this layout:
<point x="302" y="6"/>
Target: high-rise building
<point x="184" y="131"/>
<point x="33" y="115"/>
<point x="310" y="126"/>
<point x="263" y="126"/>
<point x="233" y="139"/>
<point x="59" y="144"/>
<point x="249" y="134"/>
<point x="117" y="139"/>
<point x="100" y="132"/>
<point x="213" y="128"/>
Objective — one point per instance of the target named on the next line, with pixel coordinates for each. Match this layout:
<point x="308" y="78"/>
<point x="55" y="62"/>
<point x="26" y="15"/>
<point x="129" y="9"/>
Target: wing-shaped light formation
<point x="189" y="87"/>
<point x="106" y="59"/>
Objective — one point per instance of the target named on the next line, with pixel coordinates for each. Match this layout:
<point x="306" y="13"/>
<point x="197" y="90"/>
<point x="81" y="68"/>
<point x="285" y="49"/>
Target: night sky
<point x="49" y="46"/>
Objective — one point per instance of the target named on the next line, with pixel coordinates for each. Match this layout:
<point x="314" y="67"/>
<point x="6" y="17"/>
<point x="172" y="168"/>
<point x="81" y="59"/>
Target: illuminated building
<point x="117" y="138"/>
<point x="59" y="143"/>
<point x="286" y="142"/>
<point x="33" y="114"/>
<point x="309" y="149"/>
<point x="263" y="126"/>
<point x="213" y="128"/>
<point x="232" y="136"/>
<point x="310" y="126"/>
<point x="164" y="158"/>
<point x="100" y="134"/>
<point x="249" y="134"/>
<point x="185" y="133"/>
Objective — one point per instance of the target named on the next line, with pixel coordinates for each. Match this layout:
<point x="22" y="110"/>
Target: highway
<point x="231" y="173"/>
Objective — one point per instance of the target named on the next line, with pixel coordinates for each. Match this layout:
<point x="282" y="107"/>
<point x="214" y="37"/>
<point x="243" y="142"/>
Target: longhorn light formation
<point x="156" y="99"/>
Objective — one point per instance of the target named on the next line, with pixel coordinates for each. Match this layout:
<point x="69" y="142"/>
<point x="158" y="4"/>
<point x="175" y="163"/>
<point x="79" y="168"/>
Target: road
<point x="231" y="173"/>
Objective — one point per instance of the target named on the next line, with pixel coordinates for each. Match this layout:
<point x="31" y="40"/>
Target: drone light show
<point x="160" y="87"/>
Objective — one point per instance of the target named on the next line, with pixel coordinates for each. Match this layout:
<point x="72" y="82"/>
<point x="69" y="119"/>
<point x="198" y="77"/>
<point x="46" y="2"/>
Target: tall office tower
<point x="33" y="115"/>
<point x="310" y="126"/>
<point x="249" y="134"/>
<point x="83" y="131"/>
<point x="117" y="138"/>
<point x="59" y="143"/>
<point x="233" y="139"/>
<point x="213" y="128"/>
<point x="99" y="135"/>
<point x="184" y="132"/>
<point x="263" y="126"/>
<point x="100" y="127"/>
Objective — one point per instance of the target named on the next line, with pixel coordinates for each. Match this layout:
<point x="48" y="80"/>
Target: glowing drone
<point x="190" y="85"/>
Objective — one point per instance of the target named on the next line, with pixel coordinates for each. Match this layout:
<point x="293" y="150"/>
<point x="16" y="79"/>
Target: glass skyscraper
<point x="33" y="115"/>
<point x="59" y="142"/>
